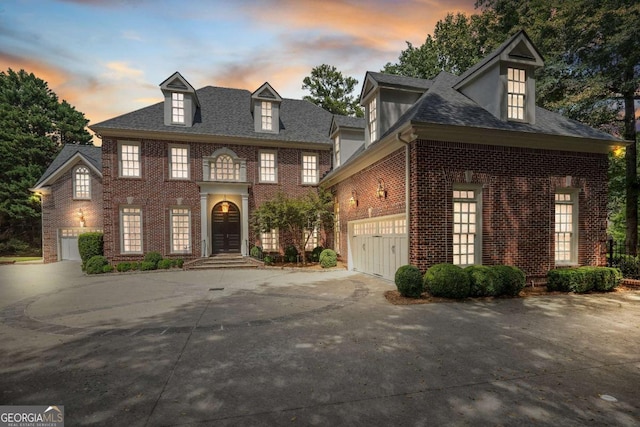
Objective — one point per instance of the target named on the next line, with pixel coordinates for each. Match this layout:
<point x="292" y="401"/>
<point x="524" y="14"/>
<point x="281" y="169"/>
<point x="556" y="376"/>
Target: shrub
<point x="629" y="266"/>
<point x="409" y="281"/>
<point x="107" y="269"/>
<point x="179" y="262"/>
<point x="512" y="279"/>
<point x="165" y="264"/>
<point x="154" y="257"/>
<point x="583" y="279"/>
<point x="96" y="264"/>
<point x="148" y="265"/>
<point x="291" y="254"/>
<point x="90" y="245"/>
<point x="315" y="253"/>
<point x="268" y="260"/>
<point x="606" y="279"/>
<point x="447" y="280"/>
<point x="15" y="247"/>
<point x="328" y="258"/>
<point x="256" y="252"/>
<point x="483" y="281"/>
<point x="135" y="266"/>
<point x="123" y="267"/>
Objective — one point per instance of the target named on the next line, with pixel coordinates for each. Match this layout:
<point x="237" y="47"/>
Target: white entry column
<point x="245" y="224"/>
<point x="204" y="234"/>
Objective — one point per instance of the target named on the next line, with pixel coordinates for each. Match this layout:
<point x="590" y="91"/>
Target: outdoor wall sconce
<point x="381" y="193"/>
<point x="81" y="217"/>
<point x="225" y="207"/>
<point x="353" y="201"/>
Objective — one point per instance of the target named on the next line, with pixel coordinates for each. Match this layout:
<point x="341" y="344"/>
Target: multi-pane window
<point x="131" y="234"/>
<point x="516" y="91"/>
<point x="312" y="236"/>
<point x="337" y="150"/>
<point x="225" y="169"/>
<point x="309" y="169"/>
<point x="130" y="160"/>
<point x="565" y="228"/>
<point x="177" y="107"/>
<point x="180" y="230"/>
<point x="269" y="241"/>
<point x="82" y="183"/>
<point x="466" y="230"/>
<point x="373" y="114"/>
<point x="267" y="166"/>
<point x="179" y="162"/>
<point x="267" y="115"/>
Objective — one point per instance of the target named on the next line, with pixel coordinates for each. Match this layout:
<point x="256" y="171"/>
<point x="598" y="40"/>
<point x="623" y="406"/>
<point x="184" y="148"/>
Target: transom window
<point x="180" y="230"/>
<point x="516" y="91"/>
<point x="131" y="234"/>
<point x="130" y="160"/>
<point x="225" y="169"/>
<point x="267" y="115"/>
<point x="177" y="107"/>
<point x="268" y="166"/>
<point x="269" y="241"/>
<point x="565" y="228"/>
<point x="309" y="169"/>
<point x="82" y="183"/>
<point x="466" y="247"/>
<point x="179" y="162"/>
<point x="373" y="114"/>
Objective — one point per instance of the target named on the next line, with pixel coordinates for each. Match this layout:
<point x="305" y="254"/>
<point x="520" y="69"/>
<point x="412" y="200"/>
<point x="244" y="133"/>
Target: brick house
<point x="461" y="169"/>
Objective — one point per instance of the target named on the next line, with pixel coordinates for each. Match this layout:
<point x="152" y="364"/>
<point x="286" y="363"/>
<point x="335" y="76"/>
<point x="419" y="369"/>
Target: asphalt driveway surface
<point x="282" y="347"/>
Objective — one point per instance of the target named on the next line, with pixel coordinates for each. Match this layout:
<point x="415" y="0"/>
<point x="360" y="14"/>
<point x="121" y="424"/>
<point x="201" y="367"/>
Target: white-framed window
<point x="269" y="241"/>
<point x="268" y="166"/>
<point x="566" y="227"/>
<point x="180" y="230"/>
<point x="81" y="183"/>
<point x="225" y="169"/>
<point x="309" y="168"/>
<point x="177" y="107"/>
<point x="516" y="91"/>
<point x="313" y="239"/>
<point x="179" y="162"/>
<point x="267" y="115"/>
<point x="466" y="227"/>
<point x="336" y="149"/>
<point x="129" y="159"/>
<point x="131" y="230"/>
<point x="373" y="114"/>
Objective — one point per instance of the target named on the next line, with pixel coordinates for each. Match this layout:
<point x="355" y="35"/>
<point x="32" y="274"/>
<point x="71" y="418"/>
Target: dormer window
<point x="267" y="116"/>
<point x="373" y="114"/>
<point x="516" y="91"/>
<point x="177" y="107"/>
<point x="265" y="107"/>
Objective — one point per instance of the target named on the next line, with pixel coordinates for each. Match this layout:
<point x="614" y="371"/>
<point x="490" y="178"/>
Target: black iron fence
<point x="619" y="251"/>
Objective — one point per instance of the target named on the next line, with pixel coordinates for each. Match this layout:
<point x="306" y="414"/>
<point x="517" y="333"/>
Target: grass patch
<point x="19" y="258"/>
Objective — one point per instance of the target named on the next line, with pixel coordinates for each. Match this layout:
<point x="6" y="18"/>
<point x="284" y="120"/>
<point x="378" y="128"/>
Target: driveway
<point x="281" y="347"/>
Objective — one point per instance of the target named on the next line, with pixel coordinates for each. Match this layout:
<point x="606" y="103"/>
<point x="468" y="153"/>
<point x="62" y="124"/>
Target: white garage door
<point x="69" y="242"/>
<point x="378" y="246"/>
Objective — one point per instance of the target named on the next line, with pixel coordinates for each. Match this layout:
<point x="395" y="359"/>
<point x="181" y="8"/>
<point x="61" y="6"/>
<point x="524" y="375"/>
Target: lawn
<point x="9" y="259"/>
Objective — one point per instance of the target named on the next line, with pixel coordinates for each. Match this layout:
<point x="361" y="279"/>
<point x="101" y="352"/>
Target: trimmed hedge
<point x="512" y="279"/>
<point x="178" y="262"/>
<point x="154" y="257"/>
<point x="165" y="264"/>
<point x="89" y="245"/>
<point x="256" y="252"/>
<point x="123" y="267"/>
<point x="409" y="281"/>
<point x="583" y="279"/>
<point x="484" y="281"/>
<point x="268" y="260"/>
<point x="96" y="264"/>
<point x="148" y="265"/>
<point x="291" y="254"/>
<point x="328" y="258"/>
<point x="447" y="280"/>
<point x="315" y="253"/>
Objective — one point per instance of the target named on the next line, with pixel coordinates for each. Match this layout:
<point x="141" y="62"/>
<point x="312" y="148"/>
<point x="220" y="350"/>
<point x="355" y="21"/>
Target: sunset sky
<point x="108" y="57"/>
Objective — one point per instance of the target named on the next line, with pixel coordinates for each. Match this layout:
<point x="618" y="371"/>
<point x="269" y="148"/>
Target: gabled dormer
<point x="504" y="82"/>
<point x="180" y="101"/>
<point x="265" y="106"/>
<point x="347" y="134"/>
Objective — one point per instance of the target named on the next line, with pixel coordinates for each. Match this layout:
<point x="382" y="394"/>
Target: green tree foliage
<point x="295" y="215"/>
<point x="34" y="125"/>
<point x="332" y="91"/>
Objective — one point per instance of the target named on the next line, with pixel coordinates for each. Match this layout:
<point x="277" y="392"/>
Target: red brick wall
<point x="156" y="194"/>
<point x="60" y="210"/>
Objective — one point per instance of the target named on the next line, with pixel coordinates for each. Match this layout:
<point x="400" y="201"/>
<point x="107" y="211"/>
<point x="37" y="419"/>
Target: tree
<point x="33" y="126"/>
<point x="332" y="91"/>
<point x="297" y="216"/>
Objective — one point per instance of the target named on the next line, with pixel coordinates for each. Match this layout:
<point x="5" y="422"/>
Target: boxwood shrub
<point x="447" y="280"/>
<point x="315" y="253"/>
<point x="483" y="281"/>
<point x="256" y="252"/>
<point x="165" y="264"/>
<point x="409" y="281"/>
<point x="268" y="260"/>
<point x="154" y="257"/>
<point x="328" y="258"/>
<point x="583" y="279"/>
<point x="96" y="264"/>
<point x="512" y="279"/>
<point x="148" y="265"/>
<point x="291" y="254"/>
<point x="89" y="245"/>
<point x="123" y="267"/>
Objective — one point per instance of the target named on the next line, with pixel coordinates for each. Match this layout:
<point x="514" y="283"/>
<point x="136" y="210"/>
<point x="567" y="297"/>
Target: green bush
<point x="512" y="279"/>
<point x="96" y="264"/>
<point x="15" y="247"/>
<point x="123" y="267"/>
<point x="447" y="280"/>
<point x="483" y="281"/>
<point x="291" y="254"/>
<point x="154" y="257"/>
<point x="148" y="265"/>
<point x="315" y="253"/>
<point x="268" y="260"/>
<point x="135" y="266"/>
<point x="328" y="258"/>
<point x="165" y="264"/>
<point x="256" y="252"/>
<point x="606" y="279"/>
<point x="90" y="245"/>
<point x="107" y="269"/>
<point x="629" y="266"/>
<point x="409" y="281"/>
<point x="179" y="262"/>
<point x="583" y="279"/>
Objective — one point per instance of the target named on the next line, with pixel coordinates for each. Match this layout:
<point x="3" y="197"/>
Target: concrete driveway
<point x="276" y="347"/>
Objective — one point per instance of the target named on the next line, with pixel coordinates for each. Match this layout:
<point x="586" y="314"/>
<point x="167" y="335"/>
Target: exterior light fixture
<point x="381" y="193"/>
<point x="353" y="201"/>
<point x="81" y="217"/>
<point x="225" y="207"/>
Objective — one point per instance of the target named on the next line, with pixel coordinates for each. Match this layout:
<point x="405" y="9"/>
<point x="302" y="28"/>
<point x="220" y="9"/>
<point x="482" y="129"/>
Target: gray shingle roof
<point x="227" y="112"/>
<point x="400" y="81"/>
<point x="349" y="122"/>
<point x="92" y="153"/>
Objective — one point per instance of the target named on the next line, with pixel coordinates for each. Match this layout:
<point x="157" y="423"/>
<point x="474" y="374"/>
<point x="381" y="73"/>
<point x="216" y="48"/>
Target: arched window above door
<point x="224" y="165"/>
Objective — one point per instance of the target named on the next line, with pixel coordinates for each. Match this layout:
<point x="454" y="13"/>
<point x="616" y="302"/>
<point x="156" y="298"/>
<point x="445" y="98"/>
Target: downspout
<point x="407" y="186"/>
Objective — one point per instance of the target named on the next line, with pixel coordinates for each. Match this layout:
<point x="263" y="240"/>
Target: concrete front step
<point x="220" y="266"/>
<point x="223" y="261"/>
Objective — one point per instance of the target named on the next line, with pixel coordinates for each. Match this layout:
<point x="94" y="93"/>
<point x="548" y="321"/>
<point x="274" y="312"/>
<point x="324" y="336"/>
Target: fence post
<point x="610" y="260"/>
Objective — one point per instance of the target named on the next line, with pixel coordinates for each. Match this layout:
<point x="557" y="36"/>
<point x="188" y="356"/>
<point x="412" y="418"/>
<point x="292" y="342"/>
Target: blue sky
<point x="108" y="57"/>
